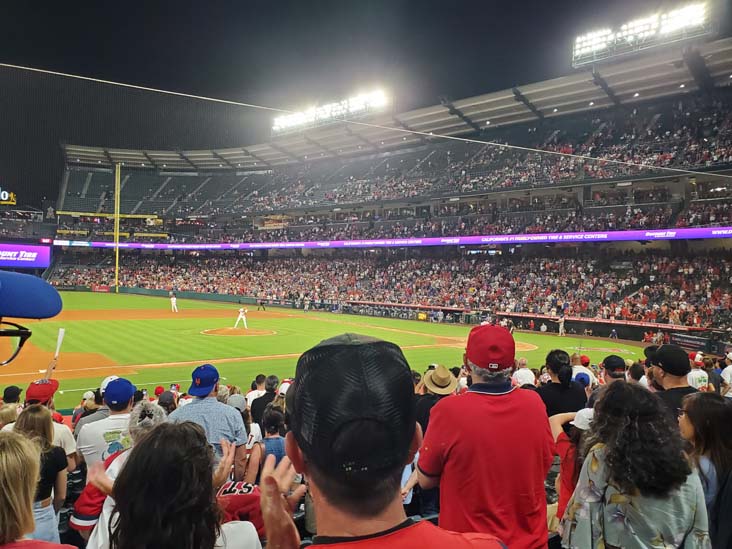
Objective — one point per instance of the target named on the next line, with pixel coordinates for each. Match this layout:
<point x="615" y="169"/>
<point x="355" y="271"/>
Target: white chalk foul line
<point x="151" y="383"/>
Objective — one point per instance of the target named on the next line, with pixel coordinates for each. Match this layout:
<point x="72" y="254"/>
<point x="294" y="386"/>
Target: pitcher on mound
<point x="243" y="317"/>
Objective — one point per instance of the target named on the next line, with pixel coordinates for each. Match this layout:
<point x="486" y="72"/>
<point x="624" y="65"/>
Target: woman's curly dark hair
<point x="164" y="495"/>
<point x="644" y="448"/>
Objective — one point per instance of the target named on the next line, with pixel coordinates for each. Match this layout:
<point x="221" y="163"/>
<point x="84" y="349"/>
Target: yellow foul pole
<point x="116" y="226"/>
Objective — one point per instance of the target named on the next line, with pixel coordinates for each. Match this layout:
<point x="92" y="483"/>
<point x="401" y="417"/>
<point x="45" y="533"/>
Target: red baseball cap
<point x="491" y="348"/>
<point x="41" y="390"/>
<point x="159" y="390"/>
<point x="585" y="360"/>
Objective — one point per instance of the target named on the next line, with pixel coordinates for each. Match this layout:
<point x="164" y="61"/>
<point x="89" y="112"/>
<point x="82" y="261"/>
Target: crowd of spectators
<point x="618" y="146"/>
<point x="632" y="218"/>
<point x="698" y="214"/>
<point x="695" y="291"/>
<point x="390" y="462"/>
<point x="705" y="214"/>
<point x="693" y="132"/>
<point x="549" y="214"/>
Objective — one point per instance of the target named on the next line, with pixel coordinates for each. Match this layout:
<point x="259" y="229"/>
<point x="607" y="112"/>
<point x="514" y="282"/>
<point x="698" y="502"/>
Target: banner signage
<point x="24" y="256"/>
<point x="690" y="342"/>
<point x="545" y="238"/>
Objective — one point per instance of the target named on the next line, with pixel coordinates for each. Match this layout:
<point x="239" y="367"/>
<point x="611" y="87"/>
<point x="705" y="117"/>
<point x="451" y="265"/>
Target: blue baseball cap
<point x="27" y="296"/>
<point x="583" y="379"/>
<point x="119" y="391"/>
<point x="204" y="379"/>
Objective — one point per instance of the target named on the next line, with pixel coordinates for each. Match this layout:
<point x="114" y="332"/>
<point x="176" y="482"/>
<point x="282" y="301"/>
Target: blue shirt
<point x="217" y="419"/>
<point x="274" y="446"/>
<point x="709" y="481"/>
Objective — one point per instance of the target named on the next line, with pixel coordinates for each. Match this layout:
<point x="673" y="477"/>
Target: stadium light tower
<point x="356" y="106"/>
<point x="660" y="28"/>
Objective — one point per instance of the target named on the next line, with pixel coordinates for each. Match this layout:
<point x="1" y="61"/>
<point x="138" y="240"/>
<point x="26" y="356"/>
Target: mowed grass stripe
<point x="154" y="341"/>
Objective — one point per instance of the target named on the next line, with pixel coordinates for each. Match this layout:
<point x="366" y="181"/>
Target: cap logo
<point x="493" y="366"/>
<point x="198" y="381"/>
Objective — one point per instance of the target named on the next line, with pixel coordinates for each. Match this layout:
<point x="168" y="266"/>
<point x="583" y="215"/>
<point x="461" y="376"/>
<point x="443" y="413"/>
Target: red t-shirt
<point x="568" y="472"/>
<point x="492" y="451"/>
<point x="422" y="535"/>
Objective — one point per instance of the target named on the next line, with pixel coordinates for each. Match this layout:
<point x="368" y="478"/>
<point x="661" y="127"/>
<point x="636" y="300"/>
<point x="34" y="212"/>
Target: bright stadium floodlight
<point x="693" y="15"/>
<point x="357" y="105"/>
<point x="684" y="23"/>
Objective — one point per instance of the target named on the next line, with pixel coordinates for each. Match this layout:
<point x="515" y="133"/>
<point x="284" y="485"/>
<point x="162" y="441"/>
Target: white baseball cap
<point x="524" y="377"/>
<point x="729" y="355"/>
<point x="284" y="387"/>
<point x="105" y="382"/>
<point x="88" y="395"/>
<point x="583" y="419"/>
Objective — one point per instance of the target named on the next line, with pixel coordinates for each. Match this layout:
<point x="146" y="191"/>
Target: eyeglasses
<point x="12" y="338"/>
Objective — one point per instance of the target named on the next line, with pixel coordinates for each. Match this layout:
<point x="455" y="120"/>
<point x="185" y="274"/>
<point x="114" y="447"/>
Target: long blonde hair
<point x="280" y="402"/>
<point x="19" y="473"/>
<point x="8" y="414"/>
<point x="36" y="424"/>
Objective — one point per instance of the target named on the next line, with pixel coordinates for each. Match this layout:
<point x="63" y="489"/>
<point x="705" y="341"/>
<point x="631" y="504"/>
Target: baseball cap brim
<point x="41" y="391"/>
<point x="200" y="390"/>
<point x="27" y="296"/>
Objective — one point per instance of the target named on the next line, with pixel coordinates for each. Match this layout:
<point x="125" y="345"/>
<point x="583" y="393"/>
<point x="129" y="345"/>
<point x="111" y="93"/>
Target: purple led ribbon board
<point x="610" y="236"/>
<point x="24" y="256"/>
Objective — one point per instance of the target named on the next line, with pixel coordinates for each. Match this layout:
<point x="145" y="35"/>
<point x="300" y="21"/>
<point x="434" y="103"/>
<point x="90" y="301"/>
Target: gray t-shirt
<point x="102" y="413"/>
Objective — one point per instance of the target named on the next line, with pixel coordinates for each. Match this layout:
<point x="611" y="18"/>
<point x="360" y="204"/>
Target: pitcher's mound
<point x="522" y="346"/>
<point x="237" y="332"/>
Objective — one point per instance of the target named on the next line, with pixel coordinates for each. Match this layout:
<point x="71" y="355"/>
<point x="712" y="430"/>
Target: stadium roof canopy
<point x="671" y="71"/>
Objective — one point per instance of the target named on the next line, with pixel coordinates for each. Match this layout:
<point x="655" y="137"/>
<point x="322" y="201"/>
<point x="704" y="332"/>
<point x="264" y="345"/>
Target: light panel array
<point x="353" y="106"/>
<point x="651" y="30"/>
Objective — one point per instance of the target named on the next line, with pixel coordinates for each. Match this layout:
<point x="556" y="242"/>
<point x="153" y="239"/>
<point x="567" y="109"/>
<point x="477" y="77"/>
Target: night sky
<point x="286" y="53"/>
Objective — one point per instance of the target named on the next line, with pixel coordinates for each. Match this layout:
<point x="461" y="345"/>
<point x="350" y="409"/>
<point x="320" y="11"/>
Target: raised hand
<point x="276" y="506"/>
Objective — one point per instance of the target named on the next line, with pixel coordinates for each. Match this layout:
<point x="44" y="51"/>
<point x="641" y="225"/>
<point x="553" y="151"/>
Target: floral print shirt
<point x="601" y="516"/>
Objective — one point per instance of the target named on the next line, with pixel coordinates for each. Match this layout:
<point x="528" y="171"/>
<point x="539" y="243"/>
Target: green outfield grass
<point x="179" y="339"/>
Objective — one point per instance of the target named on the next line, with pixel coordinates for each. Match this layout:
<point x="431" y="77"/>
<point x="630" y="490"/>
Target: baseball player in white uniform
<point x="243" y="317"/>
<point x="173" y="302"/>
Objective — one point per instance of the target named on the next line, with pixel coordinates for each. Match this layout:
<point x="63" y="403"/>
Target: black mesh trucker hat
<point x="351" y="406"/>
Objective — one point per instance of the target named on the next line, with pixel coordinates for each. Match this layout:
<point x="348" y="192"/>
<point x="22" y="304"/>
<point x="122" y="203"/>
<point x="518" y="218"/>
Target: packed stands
<point x="692" y="132"/>
<point x="692" y="291"/>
